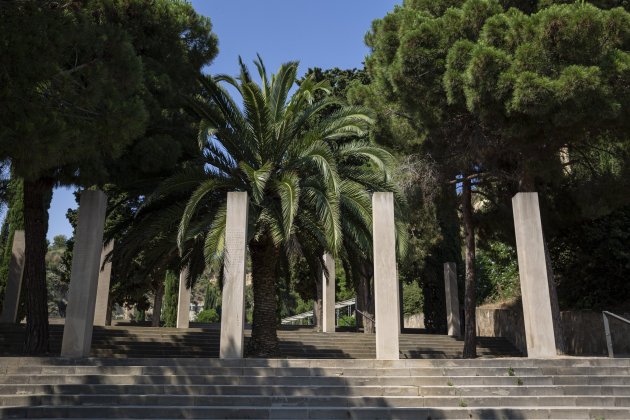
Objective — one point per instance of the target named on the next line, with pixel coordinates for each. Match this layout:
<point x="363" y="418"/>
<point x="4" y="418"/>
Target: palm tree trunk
<point x="37" y="196"/>
<point x="264" y="340"/>
<point x="318" y="305"/>
<point x="470" y="298"/>
<point x="365" y="297"/>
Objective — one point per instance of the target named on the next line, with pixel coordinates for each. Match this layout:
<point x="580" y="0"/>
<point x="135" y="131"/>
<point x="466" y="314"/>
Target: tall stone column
<point x="452" y="299"/>
<point x="102" y="292"/>
<point x="386" y="305"/>
<point x="534" y="276"/>
<point x="328" y="295"/>
<point x="14" y="280"/>
<point x="77" y="333"/>
<point x="183" y="301"/>
<point x="233" y="295"/>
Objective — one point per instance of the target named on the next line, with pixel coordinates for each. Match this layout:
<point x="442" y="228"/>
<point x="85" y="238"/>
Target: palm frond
<point x="205" y="188"/>
<point x="257" y="179"/>
<point x="288" y="188"/>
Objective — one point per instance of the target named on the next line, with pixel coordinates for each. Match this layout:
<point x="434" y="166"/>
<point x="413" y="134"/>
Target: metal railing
<point x="309" y="314"/>
<point x="605" y="315"/>
<point x="366" y="316"/>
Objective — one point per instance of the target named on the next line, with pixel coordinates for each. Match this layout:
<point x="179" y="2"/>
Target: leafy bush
<point x="413" y="299"/>
<point x="591" y="263"/>
<point x="347" y="321"/>
<point x="497" y="273"/>
<point x="208" y="316"/>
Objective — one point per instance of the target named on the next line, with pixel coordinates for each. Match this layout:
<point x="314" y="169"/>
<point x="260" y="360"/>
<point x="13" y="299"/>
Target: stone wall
<point x="414" y="321"/>
<point x="500" y="322"/>
<point x="583" y="330"/>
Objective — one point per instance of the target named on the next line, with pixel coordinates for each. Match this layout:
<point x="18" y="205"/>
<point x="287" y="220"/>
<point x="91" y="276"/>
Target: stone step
<point x="286" y="380"/>
<point x="513" y="362"/>
<point x="194" y="342"/>
<point x="319" y="390"/>
<point x="314" y="388"/>
<point x="320" y="371"/>
<point x="285" y="371"/>
<point x="314" y="401"/>
<point x="193" y="338"/>
<point x="248" y="412"/>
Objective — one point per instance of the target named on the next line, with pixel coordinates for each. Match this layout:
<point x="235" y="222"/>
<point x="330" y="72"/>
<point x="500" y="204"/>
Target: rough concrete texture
<point x="414" y="321"/>
<point x="452" y="299"/>
<point x="183" y="301"/>
<point x="386" y="289"/>
<point x="534" y="277"/>
<point x="102" y="292"/>
<point x="233" y="295"/>
<point x="77" y="333"/>
<point x="328" y="295"/>
<point x="14" y="281"/>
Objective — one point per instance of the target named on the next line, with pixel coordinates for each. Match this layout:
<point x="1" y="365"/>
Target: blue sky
<point x="317" y="33"/>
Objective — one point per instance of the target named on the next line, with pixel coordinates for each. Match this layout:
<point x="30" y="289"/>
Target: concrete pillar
<point x="452" y="299"/>
<point x="233" y="295"/>
<point x="328" y="295"/>
<point x="183" y="301"/>
<point x="386" y="302"/>
<point x="532" y="268"/>
<point x="102" y="292"/>
<point x="14" y="280"/>
<point x="77" y="333"/>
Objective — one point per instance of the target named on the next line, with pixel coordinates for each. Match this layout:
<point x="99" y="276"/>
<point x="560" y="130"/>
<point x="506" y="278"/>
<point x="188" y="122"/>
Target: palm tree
<point x="302" y="168"/>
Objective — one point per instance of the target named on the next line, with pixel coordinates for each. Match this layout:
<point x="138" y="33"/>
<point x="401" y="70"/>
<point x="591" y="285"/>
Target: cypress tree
<point x="169" y="308"/>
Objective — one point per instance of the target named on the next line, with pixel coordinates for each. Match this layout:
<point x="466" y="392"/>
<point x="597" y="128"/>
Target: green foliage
<point x="344" y="290"/>
<point x="87" y="80"/>
<point x="57" y="275"/>
<point x="542" y="82"/>
<point x="139" y="315"/>
<point x="81" y="110"/>
<point x="301" y="172"/>
<point x="497" y="273"/>
<point x="591" y="262"/>
<point x="212" y="297"/>
<point x="169" y="304"/>
<point x="534" y="97"/>
<point x="208" y="316"/>
<point x="413" y="300"/>
<point x="14" y="220"/>
<point x="347" y="321"/>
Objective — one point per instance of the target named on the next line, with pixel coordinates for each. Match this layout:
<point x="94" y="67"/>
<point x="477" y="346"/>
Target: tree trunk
<point x="318" y="306"/>
<point x="367" y="303"/>
<point x="157" y="304"/>
<point x="264" y="340"/>
<point x="470" y="298"/>
<point x="110" y="308"/>
<point x="37" y="196"/>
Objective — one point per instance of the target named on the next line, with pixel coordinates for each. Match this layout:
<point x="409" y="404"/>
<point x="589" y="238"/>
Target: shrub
<point x="413" y="300"/>
<point x="208" y="316"/>
<point x="347" y="321"/>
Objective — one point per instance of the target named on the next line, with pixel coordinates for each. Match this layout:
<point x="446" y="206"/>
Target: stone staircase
<point x="148" y="342"/>
<point x="515" y="388"/>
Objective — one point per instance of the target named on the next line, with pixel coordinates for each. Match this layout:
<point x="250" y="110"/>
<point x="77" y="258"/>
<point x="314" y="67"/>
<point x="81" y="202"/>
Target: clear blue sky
<point x="317" y="33"/>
